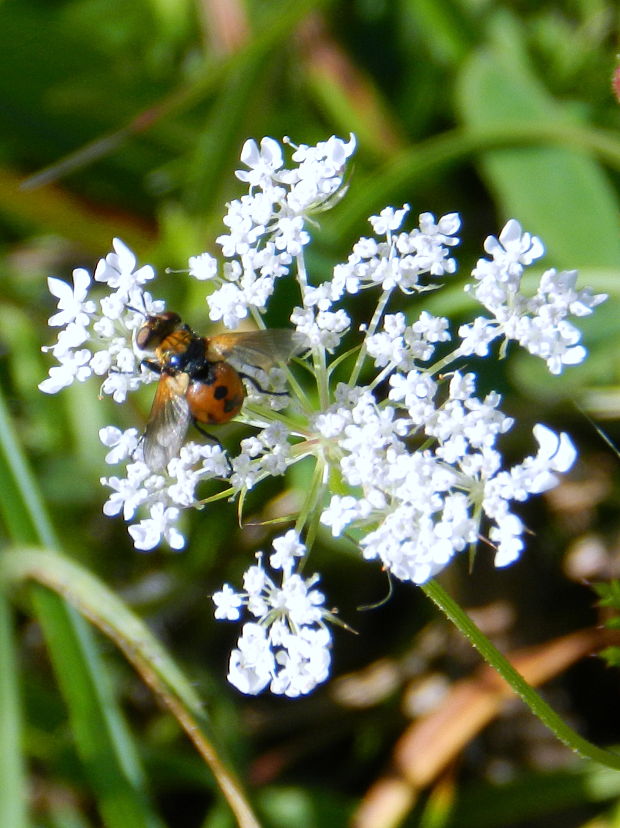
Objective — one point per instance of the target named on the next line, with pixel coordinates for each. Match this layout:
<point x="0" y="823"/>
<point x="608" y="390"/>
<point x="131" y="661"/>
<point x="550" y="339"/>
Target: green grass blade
<point x="102" y="738"/>
<point x="389" y="182"/>
<point x="12" y="790"/>
<point x="102" y="607"/>
<point x="100" y="732"/>
<point x="275" y="27"/>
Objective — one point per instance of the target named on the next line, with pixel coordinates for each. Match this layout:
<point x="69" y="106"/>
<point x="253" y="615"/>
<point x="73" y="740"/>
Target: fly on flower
<point x="196" y="382"/>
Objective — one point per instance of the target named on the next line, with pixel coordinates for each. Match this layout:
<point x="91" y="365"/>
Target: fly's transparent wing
<point x="168" y="422"/>
<point x="261" y="349"/>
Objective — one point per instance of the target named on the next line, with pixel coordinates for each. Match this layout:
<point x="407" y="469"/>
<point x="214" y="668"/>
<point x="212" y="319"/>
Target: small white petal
<point x="559" y="450"/>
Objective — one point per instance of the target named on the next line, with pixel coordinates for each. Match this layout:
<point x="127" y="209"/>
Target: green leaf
<point x="528" y="798"/>
<point x="556" y="192"/>
<point x="611" y="654"/>
<point x="608" y="593"/>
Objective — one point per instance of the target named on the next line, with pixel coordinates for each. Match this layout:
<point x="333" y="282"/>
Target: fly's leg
<point x="212" y="439"/>
<point x="260" y="388"/>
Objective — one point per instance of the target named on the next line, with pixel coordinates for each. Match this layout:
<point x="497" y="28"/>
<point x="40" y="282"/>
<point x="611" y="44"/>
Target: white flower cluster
<point x="106" y="325"/>
<point x="538" y="322"/>
<point x="267" y="227"/>
<point x="423" y="507"/>
<point x="164" y="496"/>
<point x="287" y="646"/>
<point x="407" y="455"/>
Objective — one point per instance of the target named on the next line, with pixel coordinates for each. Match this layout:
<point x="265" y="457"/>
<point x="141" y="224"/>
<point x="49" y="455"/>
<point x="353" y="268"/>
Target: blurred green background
<point x="127" y="119"/>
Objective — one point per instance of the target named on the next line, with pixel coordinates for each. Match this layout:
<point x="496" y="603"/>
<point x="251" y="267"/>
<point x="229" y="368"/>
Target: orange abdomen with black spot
<point x="215" y="395"/>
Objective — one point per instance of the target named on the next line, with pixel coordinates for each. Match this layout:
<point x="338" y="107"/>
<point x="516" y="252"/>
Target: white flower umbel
<point x="538" y="323"/>
<point x="407" y="454"/>
<point x="97" y="335"/>
<point x="287" y="645"/>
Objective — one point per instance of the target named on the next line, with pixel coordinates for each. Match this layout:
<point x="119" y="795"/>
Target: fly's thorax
<point x="183" y="350"/>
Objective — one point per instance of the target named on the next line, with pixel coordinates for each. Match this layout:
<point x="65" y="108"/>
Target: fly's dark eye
<point x="144" y="338"/>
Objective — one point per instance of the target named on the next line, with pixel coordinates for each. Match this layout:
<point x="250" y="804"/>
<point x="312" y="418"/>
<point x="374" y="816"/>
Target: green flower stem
<point x="498" y="662"/>
<point x="442" y="363"/>
<point x="322" y="377"/>
<point x="318" y="354"/>
<point x="310" y="513"/>
<point x="372" y="327"/>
